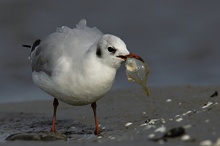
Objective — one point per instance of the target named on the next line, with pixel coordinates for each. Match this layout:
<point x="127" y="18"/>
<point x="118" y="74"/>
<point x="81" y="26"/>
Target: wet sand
<point x="127" y="117"/>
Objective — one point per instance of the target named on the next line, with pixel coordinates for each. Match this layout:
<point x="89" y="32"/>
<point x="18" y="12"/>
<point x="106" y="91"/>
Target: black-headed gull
<point x="77" y="66"/>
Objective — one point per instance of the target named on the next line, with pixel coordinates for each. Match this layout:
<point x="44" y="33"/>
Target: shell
<point x="137" y="71"/>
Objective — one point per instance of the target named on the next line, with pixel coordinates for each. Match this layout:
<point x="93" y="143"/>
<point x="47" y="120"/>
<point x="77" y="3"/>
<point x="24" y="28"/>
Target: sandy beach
<point x="180" y="43"/>
<point x="126" y="116"/>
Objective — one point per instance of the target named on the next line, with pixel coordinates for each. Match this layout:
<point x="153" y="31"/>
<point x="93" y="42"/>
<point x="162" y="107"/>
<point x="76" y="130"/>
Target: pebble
<point x="111" y="137"/>
<point x="214" y="94"/>
<point x="174" y="132"/>
<point x="177" y="116"/>
<point x="163" y="121"/>
<point x="169" y="100"/>
<point x="161" y="129"/>
<point x="185" y="138"/>
<point x="151" y="121"/>
<point x="207" y="105"/>
<point x="179" y="119"/>
<point x="187" y="126"/>
<point x="99" y="137"/>
<point x="151" y="136"/>
<point x="206" y="143"/>
<point x="143" y="125"/>
<point x="128" y="124"/>
<point x="187" y="113"/>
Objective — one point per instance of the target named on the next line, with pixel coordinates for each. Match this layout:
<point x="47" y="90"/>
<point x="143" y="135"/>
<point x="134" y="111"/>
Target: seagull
<point x="77" y="66"/>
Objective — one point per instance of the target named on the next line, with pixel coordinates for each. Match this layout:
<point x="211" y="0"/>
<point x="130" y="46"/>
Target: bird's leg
<point x="97" y="130"/>
<point x="55" y="105"/>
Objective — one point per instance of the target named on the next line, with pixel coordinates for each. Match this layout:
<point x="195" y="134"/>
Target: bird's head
<point x="111" y="50"/>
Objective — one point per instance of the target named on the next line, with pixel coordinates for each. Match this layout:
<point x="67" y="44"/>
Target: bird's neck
<point x="97" y="68"/>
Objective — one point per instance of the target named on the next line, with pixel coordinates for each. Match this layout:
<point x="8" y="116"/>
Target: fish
<point x="137" y="71"/>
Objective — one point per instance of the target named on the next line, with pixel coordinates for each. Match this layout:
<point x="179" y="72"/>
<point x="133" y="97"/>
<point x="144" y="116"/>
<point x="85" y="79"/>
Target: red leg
<point x="97" y="130"/>
<point x="55" y="105"/>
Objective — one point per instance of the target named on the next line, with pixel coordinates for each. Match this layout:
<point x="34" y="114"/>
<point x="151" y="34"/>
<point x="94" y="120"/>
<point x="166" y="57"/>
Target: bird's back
<point x="71" y="43"/>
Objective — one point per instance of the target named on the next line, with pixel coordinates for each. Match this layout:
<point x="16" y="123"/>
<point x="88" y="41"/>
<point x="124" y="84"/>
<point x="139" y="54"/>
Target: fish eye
<point x="112" y="50"/>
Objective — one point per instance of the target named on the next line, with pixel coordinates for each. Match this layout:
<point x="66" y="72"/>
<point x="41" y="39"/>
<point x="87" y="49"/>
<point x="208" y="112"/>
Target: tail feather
<point x="35" y="44"/>
<point x="26" y="46"/>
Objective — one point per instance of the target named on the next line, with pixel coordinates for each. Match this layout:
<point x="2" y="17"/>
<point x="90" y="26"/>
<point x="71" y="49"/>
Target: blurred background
<point x="179" y="40"/>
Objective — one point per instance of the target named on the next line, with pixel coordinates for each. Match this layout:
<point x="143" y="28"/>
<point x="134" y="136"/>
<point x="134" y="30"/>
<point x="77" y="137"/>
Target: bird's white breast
<point x="77" y="85"/>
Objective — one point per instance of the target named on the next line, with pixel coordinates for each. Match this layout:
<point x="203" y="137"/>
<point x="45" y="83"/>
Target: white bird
<point x="77" y="66"/>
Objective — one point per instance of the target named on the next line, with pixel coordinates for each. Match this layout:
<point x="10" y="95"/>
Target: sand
<point x="127" y="117"/>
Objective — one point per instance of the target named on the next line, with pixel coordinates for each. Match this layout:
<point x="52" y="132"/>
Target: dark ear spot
<point x="35" y="44"/>
<point x="99" y="52"/>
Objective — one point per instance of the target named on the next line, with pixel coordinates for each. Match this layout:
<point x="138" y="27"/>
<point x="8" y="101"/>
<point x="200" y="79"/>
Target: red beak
<point x="131" y="55"/>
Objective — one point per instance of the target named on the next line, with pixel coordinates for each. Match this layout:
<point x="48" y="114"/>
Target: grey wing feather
<point x="39" y="62"/>
<point x="65" y="42"/>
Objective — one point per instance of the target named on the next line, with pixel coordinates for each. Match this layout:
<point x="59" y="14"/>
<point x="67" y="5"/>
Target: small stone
<point x="179" y="119"/>
<point x="175" y="132"/>
<point x="128" y="124"/>
<point x="187" y="138"/>
<point x="143" y="125"/>
<point x="72" y="127"/>
<point x="151" y="121"/>
<point x="177" y="116"/>
<point x="163" y="121"/>
<point x="214" y="94"/>
<point x="151" y="136"/>
<point x="187" y="113"/>
<point x="169" y="100"/>
<point x="187" y="126"/>
<point x="99" y="137"/>
<point x="161" y="129"/>
<point x="207" y="105"/>
<point x="206" y="143"/>
<point x="111" y="137"/>
<point x="147" y="121"/>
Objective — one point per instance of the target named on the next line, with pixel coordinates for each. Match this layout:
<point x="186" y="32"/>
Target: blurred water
<point x="178" y="39"/>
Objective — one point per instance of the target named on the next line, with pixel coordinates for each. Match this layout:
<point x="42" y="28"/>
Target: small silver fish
<point x="137" y="71"/>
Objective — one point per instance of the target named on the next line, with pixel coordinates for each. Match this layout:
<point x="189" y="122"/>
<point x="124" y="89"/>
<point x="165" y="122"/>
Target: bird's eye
<point x="112" y="50"/>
